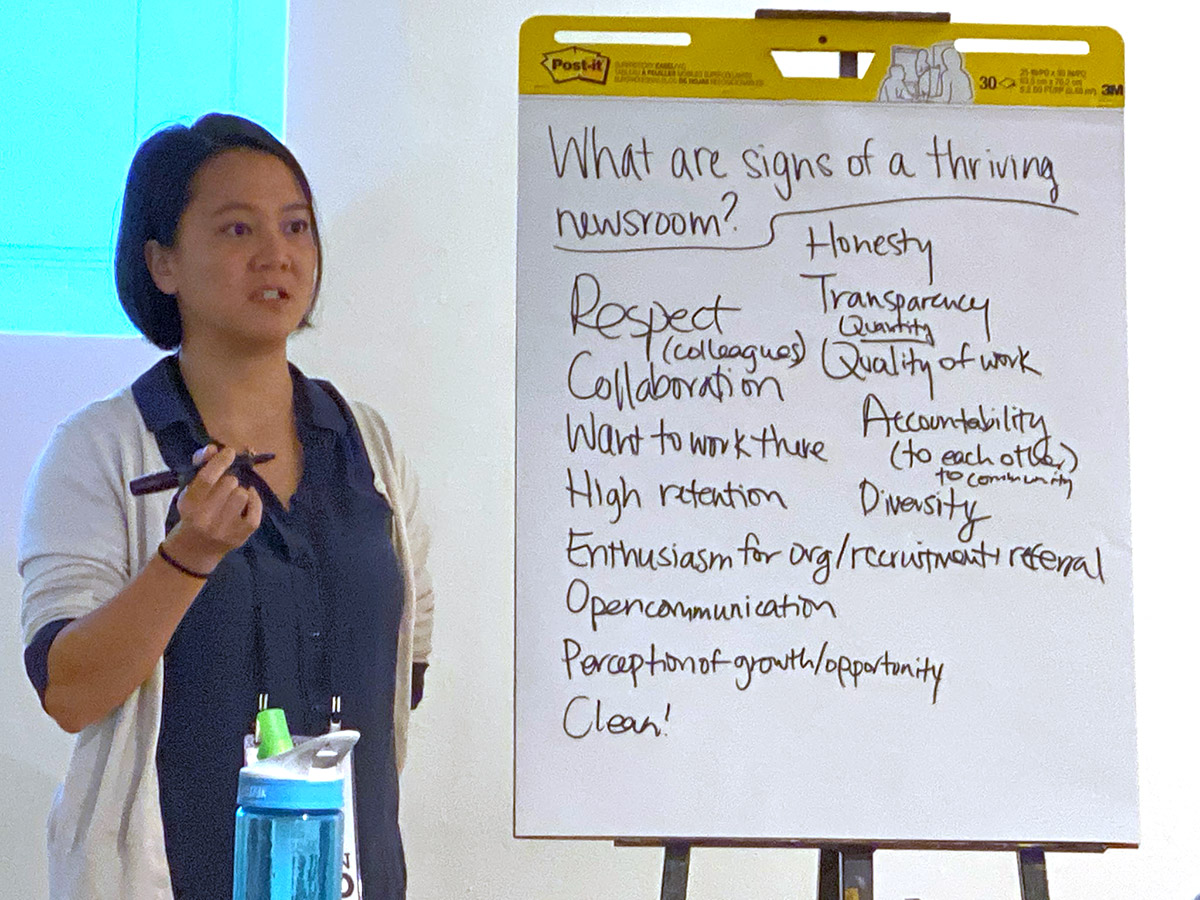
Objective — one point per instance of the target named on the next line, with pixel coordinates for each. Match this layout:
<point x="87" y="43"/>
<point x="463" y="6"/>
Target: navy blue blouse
<point x="307" y="608"/>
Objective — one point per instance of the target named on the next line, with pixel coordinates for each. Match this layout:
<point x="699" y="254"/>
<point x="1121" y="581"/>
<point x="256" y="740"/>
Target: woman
<point x="153" y="624"/>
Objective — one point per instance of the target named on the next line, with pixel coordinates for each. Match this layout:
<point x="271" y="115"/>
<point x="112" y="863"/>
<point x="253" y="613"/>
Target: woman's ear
<point x="160" y="262"/>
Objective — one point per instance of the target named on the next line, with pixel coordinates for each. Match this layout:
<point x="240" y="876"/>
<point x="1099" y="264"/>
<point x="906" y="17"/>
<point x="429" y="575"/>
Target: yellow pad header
<point x="916" y="62"/>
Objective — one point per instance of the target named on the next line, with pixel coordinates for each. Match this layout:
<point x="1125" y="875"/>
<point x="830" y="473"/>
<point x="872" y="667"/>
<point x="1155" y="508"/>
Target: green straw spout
<point x="273" y="735"/>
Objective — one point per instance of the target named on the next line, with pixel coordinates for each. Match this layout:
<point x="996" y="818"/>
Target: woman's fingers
<point x="216" y="514"/>
<point x="204" y="453"/>
<point x="215" y="464"/>
<point x="253" y="512"/>
<point x="229" y="508"/>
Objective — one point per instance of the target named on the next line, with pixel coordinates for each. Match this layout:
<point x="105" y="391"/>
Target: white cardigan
<point x="83" y="537"/>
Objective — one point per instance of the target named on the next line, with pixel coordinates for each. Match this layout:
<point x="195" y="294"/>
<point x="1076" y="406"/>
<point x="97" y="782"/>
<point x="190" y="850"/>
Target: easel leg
<point x="1031" y="862"/>
<point x="829" y="881"/>
<point x="858" y="879"/>
<point x="675" y="871"/>
<point x="846" y="874"/>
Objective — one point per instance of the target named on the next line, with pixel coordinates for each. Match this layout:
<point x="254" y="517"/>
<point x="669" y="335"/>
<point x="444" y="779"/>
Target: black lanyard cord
<point x="263" y="676"/>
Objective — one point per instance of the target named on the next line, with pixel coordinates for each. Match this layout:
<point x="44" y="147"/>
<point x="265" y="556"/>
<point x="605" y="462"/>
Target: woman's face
<point x="243" y="261"/>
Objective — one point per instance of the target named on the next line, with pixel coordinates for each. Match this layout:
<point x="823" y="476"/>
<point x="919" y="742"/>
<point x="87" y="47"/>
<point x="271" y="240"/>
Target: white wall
<point x="404" y="115"/>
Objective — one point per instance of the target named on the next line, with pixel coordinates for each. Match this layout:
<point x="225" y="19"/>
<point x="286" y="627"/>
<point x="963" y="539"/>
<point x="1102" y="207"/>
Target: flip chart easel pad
<point x="940" y="647"/>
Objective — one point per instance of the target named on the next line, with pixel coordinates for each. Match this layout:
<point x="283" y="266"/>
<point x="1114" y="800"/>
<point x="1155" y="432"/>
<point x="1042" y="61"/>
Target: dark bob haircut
<point x="157" y="192"/>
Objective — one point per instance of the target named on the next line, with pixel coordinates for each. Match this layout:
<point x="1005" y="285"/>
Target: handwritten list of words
<point x="822" y="473"/>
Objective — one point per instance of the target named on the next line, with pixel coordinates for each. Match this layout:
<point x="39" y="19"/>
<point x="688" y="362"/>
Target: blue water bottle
<point x="288" y="843"/>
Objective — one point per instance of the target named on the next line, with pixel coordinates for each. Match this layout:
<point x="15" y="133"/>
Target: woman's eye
<point x="237" y="228"/>
<point x="297" y="226"/>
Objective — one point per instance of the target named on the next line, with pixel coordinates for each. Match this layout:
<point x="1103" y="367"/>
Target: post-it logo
<point x="573" y="63"/>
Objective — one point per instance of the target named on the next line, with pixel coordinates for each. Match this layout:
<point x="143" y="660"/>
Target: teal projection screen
<point x="88" y="82"/>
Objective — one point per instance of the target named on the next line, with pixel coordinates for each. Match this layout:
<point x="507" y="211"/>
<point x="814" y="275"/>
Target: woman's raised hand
<point x="98" y="660"/>
<point x="216" y="514"/>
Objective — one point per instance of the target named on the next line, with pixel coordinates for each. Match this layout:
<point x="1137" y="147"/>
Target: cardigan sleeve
<point x="74" y="548"/>
<point x="409" y="503"/>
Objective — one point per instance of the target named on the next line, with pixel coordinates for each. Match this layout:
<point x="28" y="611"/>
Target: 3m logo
<point x="573" y="63"/>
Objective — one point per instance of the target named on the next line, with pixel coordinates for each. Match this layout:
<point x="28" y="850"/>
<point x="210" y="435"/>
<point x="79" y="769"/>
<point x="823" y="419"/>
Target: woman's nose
<point x="272" y="251"/>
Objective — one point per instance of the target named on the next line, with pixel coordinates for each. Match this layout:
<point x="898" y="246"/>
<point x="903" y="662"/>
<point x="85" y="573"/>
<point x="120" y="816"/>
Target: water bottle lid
<point x="306" y="777"/>
<point x="265" y="791"/>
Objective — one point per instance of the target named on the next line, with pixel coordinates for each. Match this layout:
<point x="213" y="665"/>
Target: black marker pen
<point x="171" y="479"/>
